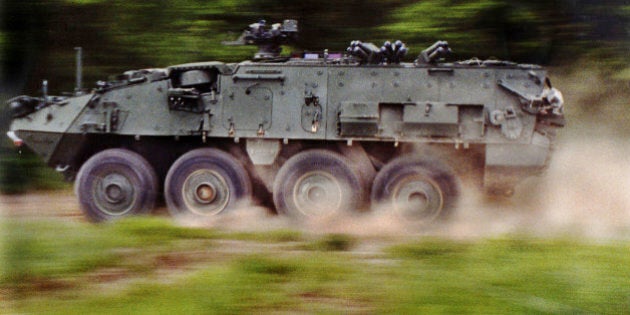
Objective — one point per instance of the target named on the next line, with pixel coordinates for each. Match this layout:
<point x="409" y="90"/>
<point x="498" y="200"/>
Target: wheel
<point x="316" y="183"/>
<point x="205" y="182"/>
<point x="116" y="183"/>
<point x="417" y="189"/>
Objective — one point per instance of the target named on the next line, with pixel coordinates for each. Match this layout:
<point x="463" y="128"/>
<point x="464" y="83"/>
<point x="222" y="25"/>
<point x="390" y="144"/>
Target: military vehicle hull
<point x="307" y="136"/>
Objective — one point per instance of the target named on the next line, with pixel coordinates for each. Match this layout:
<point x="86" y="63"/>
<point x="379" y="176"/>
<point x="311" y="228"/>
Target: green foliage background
<point x="37" y="37"/>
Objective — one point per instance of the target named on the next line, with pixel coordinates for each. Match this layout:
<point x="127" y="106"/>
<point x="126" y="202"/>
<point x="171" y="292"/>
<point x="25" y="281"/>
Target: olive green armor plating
<point x="379" y="130"/>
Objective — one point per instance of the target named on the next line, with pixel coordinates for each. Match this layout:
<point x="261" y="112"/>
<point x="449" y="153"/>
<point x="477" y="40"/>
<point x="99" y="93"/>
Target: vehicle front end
<point x="41" y="124"/>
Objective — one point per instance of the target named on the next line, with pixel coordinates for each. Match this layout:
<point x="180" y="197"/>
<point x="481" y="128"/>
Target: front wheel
<point x="116" y="183"/>
<point x="205" y="182"/>
<point x="416" y="189"/>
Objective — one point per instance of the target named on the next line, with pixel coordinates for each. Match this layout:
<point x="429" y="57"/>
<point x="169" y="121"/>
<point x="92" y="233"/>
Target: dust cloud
<point x="584" y="193"/>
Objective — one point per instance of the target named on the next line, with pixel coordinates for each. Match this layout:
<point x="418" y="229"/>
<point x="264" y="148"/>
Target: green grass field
<point x="150" y="266"/>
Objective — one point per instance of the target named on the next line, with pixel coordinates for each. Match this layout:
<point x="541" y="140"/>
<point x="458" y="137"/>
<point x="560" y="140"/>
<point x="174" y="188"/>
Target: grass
<point x="273" y="236"/>
<point x="332" y="242"/>
<point x="37" y="251"/>
<point x="155" y="267"/>
<point x="517" y="275"/>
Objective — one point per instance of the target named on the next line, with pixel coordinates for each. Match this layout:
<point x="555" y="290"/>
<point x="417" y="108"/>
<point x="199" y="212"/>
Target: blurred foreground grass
<point x="149" y="265"/>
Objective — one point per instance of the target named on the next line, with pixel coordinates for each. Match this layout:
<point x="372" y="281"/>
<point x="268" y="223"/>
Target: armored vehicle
<point x="311" y="135"/>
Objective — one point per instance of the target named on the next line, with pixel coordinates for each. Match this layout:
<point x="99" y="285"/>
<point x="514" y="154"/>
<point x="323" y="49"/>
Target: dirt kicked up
<point x="584" y="193"/>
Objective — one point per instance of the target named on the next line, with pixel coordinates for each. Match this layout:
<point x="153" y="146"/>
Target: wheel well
<point x="161" y="152"/>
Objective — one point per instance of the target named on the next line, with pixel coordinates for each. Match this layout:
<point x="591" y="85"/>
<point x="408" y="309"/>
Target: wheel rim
<point x="206" y="192"/>
<point x="418" y="198"/>
<point x="114" y="193"/>
<point x="317" y="194"/>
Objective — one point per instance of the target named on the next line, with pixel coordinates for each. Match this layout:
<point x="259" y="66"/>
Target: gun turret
<point x="267" y="39"/>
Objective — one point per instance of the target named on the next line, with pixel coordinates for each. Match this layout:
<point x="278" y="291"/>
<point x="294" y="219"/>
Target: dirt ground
<point x="45" y="204"/>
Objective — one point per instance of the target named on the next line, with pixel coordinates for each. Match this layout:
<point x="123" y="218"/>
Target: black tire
<point x="205" y="182"/>
<point x="316" y="183"/>
<point x="116" y="183"/>
<point x="419" y="190"/>
<point x="363" y="167"/>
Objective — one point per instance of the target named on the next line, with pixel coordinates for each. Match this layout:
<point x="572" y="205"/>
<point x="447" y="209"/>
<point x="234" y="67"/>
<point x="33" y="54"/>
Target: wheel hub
<point x="114" y="193"/>
<point x="418" y="198"/>
<point x="206" y="192"/>
<point x="317" y="194"/>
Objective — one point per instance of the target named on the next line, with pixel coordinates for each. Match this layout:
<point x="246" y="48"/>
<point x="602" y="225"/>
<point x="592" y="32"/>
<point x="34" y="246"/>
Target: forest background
<point x="585" y="42"/>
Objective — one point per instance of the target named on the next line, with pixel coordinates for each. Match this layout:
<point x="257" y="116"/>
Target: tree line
<point x="37" y="37"/>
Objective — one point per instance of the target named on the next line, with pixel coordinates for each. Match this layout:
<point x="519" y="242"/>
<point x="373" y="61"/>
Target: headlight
<point x="16" y="140"/>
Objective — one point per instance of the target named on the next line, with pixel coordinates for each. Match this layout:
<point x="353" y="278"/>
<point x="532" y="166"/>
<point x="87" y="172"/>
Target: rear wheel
<point x="316" y="183"/>
<point x="116" y="183"/>
<point x="416" y="189"/>
<point x="205" y="182"/>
